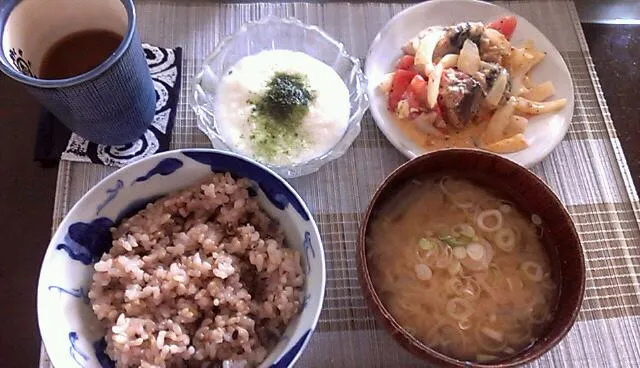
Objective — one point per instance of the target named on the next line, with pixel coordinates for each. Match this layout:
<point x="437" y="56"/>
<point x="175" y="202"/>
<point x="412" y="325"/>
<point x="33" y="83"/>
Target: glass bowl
<point x="272" y="33"/>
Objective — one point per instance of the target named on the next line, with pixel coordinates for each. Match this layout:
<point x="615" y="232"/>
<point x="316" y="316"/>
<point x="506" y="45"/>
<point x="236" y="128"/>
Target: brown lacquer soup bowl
<point x="531" y="196"/>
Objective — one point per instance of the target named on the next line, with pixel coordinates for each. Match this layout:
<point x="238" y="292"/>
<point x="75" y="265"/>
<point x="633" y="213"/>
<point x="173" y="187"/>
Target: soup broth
<point x="461" y="269"/>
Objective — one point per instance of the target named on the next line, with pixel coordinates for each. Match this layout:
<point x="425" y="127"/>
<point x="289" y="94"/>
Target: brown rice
<point x="198" y="278"/>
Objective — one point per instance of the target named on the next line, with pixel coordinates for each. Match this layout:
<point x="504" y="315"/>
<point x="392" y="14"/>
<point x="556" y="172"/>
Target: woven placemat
<point x="587" y="171"/>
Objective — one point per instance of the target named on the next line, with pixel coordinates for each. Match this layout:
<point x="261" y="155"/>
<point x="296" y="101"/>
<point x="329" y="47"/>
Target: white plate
<point x="544" y="131"/>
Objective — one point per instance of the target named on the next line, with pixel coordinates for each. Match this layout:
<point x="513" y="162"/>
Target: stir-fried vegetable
<point x="469" y="59"/>
<point x="424" y="54"/>
<point x="433" y="88"/>
<point x="405" y="62"/>
<point x="505" y="25"/>
<point x="401" y="80"/>
<point x="451" y="78"/>
<point x="418" y="90"/>
<point x="497" y="90"/>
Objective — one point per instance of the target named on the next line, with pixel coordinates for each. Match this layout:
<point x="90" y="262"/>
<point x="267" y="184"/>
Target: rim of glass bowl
<point x="207" y="123"/>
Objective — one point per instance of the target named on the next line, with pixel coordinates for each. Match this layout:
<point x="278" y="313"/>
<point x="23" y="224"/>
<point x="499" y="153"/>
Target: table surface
<point x="27" y="191"/>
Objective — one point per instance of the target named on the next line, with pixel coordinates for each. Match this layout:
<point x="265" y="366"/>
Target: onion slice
<point x="459" y="309"/>
<point x="424" y="54"/>
<point x="449" y="61"/>
<point x="469" y="59"/>
<point x="423" y="272"/>
<point x="499" y="122"/>
<point x="505" y="239"/>
<point x="476" y="251"/>
<point x="460" y="252"/>
<point x="497" y="90"/>
<point x="433" y="87"/>
<point x="484" y="215"/>
<point x="479" y="255"/>
<point x="532" y="270"/>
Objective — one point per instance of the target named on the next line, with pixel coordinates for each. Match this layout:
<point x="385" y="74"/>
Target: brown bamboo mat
<point x="587" y="171"/>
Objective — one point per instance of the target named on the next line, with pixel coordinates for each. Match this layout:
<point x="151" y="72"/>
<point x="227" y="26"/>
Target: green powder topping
<point x="278" y="113"/>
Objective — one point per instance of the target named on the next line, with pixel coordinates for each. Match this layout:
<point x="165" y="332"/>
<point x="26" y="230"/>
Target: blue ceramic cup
<point x="112" y="104"/>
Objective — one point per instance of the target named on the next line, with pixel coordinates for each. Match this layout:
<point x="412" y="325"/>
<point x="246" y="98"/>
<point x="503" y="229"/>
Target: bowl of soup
<point x="470" y="260"/>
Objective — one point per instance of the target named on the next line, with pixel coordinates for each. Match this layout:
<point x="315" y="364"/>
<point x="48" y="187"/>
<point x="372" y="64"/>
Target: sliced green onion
<point x="426" y="244"/>
<point x="423" y="272"/>
<point x="476" y="251"/>
<point x="464" y="230"/>
<point x="461" y="202"/>
<point x="450" y="240"/>
<point x="505" y="239"/>
<point x="455" y="242"/>
<point x="460" y="252"/>
<point x="532" y="270"/>
<point x="481" y="220"/>
<point x="536" y="220"/>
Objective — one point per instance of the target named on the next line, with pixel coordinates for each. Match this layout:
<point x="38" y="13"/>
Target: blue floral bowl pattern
<point x="72" y="334"/>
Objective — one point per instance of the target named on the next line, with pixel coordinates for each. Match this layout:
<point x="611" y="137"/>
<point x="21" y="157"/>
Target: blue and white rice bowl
<point x="72" y="334"/>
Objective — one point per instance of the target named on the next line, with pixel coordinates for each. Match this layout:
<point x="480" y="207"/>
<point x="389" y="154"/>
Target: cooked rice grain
<point x="198" y="278"/>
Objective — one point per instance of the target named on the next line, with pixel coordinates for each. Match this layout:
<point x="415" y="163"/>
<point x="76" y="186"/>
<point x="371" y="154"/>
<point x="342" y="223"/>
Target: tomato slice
<point x="505" y="25"/>
<point x="405" y="62"/>
<point x="399" y="84"/>
<point x="419" y="87"/>
<point x="413" y="100"/>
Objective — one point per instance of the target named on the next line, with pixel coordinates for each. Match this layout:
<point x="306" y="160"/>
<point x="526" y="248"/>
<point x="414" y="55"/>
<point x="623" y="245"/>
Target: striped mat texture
<point x="587" y="171"/>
